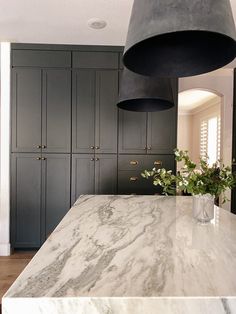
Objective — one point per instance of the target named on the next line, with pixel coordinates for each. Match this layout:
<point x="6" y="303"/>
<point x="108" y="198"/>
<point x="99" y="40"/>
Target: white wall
<point x="185" y="132"/>
<point x="220" y="82"/>
<point x="5" y="151"/>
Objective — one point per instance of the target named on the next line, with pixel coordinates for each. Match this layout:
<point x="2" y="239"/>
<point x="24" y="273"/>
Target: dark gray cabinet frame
<point x="41" y="61"/>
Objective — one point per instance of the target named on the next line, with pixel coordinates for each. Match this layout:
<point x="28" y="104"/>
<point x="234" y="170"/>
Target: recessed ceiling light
<point x="97" y="23"/>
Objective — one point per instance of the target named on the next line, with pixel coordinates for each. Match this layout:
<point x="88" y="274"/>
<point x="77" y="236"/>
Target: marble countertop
<point x="131" y="254"/>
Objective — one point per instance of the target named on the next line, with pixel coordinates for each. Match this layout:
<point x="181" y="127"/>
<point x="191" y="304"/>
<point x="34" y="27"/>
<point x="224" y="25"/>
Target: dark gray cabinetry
<point x="94" y="125"/>
<point x="106" y="174"/>
<point x="106" y="111"/>
<point x="151" y="133"/>
<point x="132" y="132"/>
<point x="56" y="111"/>
<point x="130" y="168"/>
<point x="93" y="174"/>
<point x="26" y="200"/>
<point x="56" y="189"/>
<point x="26" y="110"/>
<point x="40" y="196"/>
<point x="66" y="132"/>
<point x="41" y="110"/>
<point x="161" y="132"/>
<point x="83" y="111"/>
<point x="83" y="173"/>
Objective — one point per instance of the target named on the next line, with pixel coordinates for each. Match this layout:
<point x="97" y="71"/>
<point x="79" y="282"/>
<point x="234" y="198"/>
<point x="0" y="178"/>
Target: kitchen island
<point x="131" y="255"/>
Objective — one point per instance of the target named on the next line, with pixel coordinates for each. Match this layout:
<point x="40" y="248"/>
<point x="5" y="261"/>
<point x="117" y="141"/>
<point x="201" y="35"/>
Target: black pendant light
<point x="145" y="94"/>
<point x="178" y="38"/>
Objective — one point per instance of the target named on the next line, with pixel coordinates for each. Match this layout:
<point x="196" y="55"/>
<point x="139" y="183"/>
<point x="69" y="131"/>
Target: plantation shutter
<point x="204" y="139"/>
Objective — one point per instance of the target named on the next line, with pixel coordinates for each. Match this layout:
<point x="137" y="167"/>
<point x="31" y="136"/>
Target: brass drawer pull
<point x="92" y="147"/>
<point x="38" y="158"/>
<point x="97" y="147"/>
<point x="158" y="163"/>
<point x="44" y="146"/>
<point x="133" y="179"/>
<point x="38" y="146"/>
<point x="43" y="158"/>
<point x="134" y="162"/>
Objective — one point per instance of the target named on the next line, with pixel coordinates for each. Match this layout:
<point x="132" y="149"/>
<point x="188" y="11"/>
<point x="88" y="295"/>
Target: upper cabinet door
<point x="26" y="110"/>
<point x="162" y="127"/>
<point x="56" y="111"/>
<point x="106" y="111"/>
<point x="161" y="137"/>
<point x="83" y="111"/>
<point x="132" y="132"/>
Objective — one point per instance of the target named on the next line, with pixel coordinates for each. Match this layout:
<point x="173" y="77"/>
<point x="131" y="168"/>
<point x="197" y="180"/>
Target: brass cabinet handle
<point x="133" y="179"/>
<point x="158" y="163"/>
<point x="97" y="147"/>
<point x="92" y="159"/>
<point x="149" y="148"/>
<point x="43" y="158"/>
<point x="134" y="162"/>
<point x="38" y="158"/>
<point x="44" y="146"/>
<point x="97" y="159"/>
<point x="38" y="146"/>
<point x="92" y="147"/>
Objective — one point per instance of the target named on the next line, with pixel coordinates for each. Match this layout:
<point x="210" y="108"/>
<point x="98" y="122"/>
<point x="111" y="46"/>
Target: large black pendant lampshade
<point x="178" y="38"/>
<point x="145" y="94"/>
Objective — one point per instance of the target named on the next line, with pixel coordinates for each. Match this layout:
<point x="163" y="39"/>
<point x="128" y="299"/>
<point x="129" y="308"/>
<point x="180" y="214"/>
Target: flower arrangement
<point x="193" y="179"/>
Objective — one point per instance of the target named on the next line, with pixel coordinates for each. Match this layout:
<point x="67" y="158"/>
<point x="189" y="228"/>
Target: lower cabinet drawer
<point x="160" y="161"/>
<point x="131" y="182"/>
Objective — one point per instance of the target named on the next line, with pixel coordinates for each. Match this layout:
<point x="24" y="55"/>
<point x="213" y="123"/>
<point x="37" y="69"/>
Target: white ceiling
<point x="65" y="21"/>
<point x="192" y="99"/>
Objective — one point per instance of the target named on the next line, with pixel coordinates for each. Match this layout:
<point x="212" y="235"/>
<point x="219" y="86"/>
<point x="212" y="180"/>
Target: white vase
<point x="203" y="208"/>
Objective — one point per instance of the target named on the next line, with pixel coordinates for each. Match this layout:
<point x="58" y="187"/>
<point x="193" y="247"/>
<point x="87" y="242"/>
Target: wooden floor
<point x="10" y="269"/>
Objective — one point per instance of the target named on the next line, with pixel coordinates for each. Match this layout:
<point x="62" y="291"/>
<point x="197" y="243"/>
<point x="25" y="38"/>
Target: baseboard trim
<point x="5" y="249"/>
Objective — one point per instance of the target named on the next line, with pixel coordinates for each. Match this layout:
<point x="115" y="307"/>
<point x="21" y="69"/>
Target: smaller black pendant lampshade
<point x="145" y="94"/>
<point x="179" y="38"/>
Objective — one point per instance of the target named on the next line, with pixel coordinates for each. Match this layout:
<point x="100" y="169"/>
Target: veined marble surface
<point x="131" y="254"/>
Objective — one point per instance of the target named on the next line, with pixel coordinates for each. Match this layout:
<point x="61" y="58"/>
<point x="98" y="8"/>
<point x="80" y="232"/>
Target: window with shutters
<point x="210" y="139"/>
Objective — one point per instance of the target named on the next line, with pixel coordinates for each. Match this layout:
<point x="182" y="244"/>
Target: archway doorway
<point x="199" y="124"/>
<point x="200" y="119"/>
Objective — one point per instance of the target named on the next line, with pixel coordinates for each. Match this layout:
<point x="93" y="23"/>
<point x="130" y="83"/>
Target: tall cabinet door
<point x="161" y="134"/>
<point x="26" y="109"/>
<point x="83" y="111"/>
<point x="56" y="189"/>
<point x="106" y="111"/>
<point x="132" y="132"/>
<point x="162" y="127"/>
<point x="106" y="174"/>
<point x="56" y="111"/>
<point x="26" y="200"/>
<point x="83" y="168"/>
